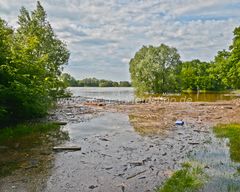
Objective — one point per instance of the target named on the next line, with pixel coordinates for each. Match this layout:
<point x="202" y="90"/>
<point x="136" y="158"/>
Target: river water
<point x="127" y="94"/>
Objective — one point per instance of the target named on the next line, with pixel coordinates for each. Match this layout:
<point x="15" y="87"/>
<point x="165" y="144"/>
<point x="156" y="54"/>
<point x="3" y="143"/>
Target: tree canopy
<point x="31" y="60"/>
<point x="155" y="69"/>
<point x="159" y="70"/>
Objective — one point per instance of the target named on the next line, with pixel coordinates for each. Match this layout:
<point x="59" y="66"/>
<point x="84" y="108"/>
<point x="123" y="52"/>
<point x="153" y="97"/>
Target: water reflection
<point x="221" y="159"/>
<point x="28" y="159"/>
<point x="193" y="97"/>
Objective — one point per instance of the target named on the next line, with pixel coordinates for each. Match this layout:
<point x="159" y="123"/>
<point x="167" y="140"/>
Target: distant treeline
<point x="92" y="82"/>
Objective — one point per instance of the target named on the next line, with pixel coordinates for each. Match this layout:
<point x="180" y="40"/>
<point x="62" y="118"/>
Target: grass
<point x="25" y="129"/>
<point x="232" y="132"/>
<point x="188" y="179"/>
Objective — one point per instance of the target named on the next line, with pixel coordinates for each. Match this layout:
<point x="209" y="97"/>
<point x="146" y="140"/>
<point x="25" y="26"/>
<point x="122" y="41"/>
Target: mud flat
<point x="133" y="147"/>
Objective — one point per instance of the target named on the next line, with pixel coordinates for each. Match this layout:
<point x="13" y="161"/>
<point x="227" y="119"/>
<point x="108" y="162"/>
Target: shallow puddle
<point x="223" y="170"/>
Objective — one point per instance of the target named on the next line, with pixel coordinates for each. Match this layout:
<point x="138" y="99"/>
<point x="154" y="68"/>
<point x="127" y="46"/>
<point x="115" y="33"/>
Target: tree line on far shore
<point x="92" y="82"/>
<point x="159" y="70"/>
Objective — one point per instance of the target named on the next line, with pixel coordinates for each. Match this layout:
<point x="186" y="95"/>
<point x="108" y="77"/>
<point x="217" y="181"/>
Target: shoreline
<point x="154" y="149"/>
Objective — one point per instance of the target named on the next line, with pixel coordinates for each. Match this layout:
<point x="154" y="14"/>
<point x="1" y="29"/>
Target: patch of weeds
<point x="188" y="179"/>
<point x="232" y="132"/>
<point x="21" y="130"/>
<point x="23" y="142"/>
<point x="233" y="188"/>
<point x="7" y="168"/>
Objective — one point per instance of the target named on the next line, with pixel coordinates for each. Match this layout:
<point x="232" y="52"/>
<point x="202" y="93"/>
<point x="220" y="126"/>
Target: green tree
<point x="195" y="75"/>
<point x="105" y="83"/>
<point x="233" y="74"/>
<point x="155" y="69"/>
<point x="6" y="34"/>
<point x="31" y="59"/>
<point x="68" y="80"/>
<point x="35" y="25"/>
<point x="219" y="71"/>
<point x="124" y="84"/>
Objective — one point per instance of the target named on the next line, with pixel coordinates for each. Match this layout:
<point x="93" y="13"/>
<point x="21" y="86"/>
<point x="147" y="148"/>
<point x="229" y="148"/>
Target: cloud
<point x="104" y="35"/>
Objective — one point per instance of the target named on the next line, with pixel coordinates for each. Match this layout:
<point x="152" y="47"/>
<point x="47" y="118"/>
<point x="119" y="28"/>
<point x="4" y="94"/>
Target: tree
<point x="68" y="80"/>
<point x="233" y="74"/>
<point x="195" y="75"/>
<point x="219" y="71"/>
<point x="155" y="69"/>
<point x="35" y="25"/>
<point x="6" y="34"/>
<point x="31" y="59"/>
<point x="124" y="84"/>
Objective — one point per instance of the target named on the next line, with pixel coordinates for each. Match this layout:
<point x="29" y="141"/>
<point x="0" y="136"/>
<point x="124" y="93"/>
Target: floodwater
<point x="115" y="156"/>
<point x="107" y="93"/>
<point x="222" y="170"/>
<point x="127" y="94"/>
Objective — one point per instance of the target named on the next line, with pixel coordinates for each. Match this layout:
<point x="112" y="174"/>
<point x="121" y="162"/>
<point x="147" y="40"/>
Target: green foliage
<point x="68" y="80"/>
<point x="188" y="179"/>
<point x="31" y="60"/>
<point x="155" y="69"/>
<point x="158" y="70"/>
<point x="196" y="75"/>
<point x="233" y="75"/>
<point x="24" y="129"/>
<point x="232" y="132"/>
<point x="124" y="84"/>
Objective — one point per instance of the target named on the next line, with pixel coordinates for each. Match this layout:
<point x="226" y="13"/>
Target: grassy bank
<point x="189" y="178"/>
<point x="25" y="129"/>
<point x="232" y="132"/>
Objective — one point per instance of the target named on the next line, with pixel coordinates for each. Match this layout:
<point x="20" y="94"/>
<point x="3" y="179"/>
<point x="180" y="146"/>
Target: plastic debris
<point x="179" y="122"/>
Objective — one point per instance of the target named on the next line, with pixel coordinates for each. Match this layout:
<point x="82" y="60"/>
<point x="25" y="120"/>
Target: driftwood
<point x="72" y="148"/>
<point x="60" y="123"/>
<point x="136" y="174"/>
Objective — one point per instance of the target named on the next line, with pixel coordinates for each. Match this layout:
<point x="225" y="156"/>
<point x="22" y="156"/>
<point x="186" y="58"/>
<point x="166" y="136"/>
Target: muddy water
<point x="25" y="162"/>
<point x="223" y="171"/>
<point x="127" y="94"/>
<point x="116" y="158"/>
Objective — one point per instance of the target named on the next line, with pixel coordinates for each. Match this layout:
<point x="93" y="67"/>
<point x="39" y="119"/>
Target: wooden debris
<point x="136" y="174"/>
<point x="60" y="123"/>
<point x="72" y="148"/>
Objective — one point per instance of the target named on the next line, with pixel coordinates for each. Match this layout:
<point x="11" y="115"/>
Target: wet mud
<point x="133" y="147"/>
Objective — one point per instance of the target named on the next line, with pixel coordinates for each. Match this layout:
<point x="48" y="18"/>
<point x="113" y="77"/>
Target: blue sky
<point x="104" y="35"/>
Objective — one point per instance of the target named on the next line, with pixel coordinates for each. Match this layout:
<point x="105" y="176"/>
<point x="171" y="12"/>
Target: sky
<point x="103" y="35"/>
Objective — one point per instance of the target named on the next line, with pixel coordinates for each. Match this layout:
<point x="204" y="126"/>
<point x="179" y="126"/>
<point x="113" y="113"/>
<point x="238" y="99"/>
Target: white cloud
<point x="103" y="35"/>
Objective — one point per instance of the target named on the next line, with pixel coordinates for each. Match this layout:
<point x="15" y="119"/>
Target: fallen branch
<point x="136" y="174"/>
<point x="72" y="148"/>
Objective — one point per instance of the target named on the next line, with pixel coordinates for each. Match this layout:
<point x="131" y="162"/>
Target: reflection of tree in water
<point x="148" y="124"/>
<point x="28" y="159"/>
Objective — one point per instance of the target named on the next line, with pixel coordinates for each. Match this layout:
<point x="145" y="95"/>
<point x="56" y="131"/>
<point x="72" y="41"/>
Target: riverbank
<point x="157" y="117"/>
<point x="125" y="147"/>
